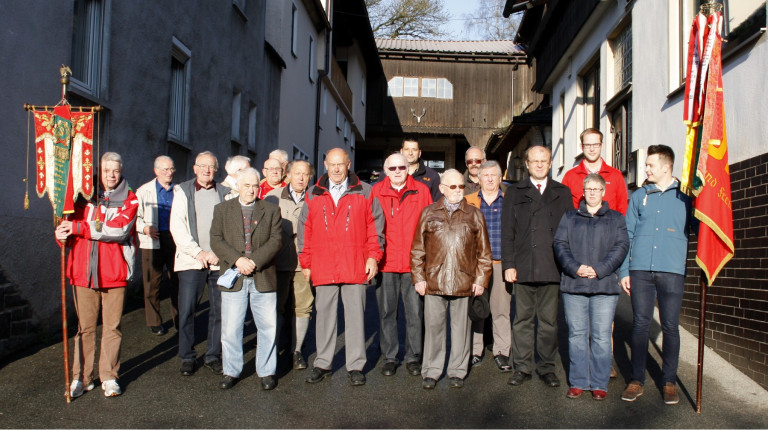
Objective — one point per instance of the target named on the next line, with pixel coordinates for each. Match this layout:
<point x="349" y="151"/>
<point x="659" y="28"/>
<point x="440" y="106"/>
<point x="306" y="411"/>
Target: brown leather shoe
<point x="632" y="392"/>
<point x="670" y="394"/>
<point x="614" y="374"/>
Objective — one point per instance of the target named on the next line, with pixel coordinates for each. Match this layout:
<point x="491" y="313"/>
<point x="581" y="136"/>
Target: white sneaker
<point x="111" y="388"/>
<point x="76" y="388"/>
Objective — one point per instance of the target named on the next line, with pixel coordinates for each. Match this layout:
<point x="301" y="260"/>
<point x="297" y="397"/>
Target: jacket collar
<point x="583" y="211"/>
<point x="118" y="196"/>
<point x="322" y="185"/>
<point x="463" y="205"/>
<point x="651" y="188"/>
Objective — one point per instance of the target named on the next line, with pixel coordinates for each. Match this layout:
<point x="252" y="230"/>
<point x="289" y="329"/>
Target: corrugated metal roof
<point x="449" y="46"/>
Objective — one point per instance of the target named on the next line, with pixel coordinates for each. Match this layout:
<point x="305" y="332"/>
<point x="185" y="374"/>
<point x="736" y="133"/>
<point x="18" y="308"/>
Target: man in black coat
<point x="530" y="216"/>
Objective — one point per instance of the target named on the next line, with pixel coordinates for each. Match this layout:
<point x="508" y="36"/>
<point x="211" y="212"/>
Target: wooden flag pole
<point x="702" y="326"/>
<point x="64" y="329"/>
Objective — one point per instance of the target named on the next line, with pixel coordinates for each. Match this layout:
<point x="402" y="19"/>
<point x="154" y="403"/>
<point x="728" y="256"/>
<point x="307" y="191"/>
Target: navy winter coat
<point x="599" y="241"/>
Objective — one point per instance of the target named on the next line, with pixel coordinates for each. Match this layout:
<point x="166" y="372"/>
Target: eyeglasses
<point x="474" y="161"/>
<point x="592" y="190"/>
<point x="396" y="168"/>
<point x="166" y="169"/>
<point x="453" y="187"/>
<point x="207" y="166"/>
<point x="591" y="145"/>
<point x="273" y="169"/>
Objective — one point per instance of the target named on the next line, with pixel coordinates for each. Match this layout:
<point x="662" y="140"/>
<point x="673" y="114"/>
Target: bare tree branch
<point x="488" y="22"/>
<point x="414" y="19"/>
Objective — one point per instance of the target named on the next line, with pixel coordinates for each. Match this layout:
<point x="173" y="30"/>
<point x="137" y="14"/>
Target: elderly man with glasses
<point x="273" y="177"/>
<point x="402" y="199"/>
<point x="157" y="247"/>
<point x="196" y="264"/>
<point x="473" y="158"/>
<point x="530" y="215"/>
<point x="450" y="261"/>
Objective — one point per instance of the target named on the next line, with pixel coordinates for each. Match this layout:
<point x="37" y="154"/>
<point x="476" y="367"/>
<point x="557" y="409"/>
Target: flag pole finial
<point x="65" y="73"/>
<point x="710" y="7"/>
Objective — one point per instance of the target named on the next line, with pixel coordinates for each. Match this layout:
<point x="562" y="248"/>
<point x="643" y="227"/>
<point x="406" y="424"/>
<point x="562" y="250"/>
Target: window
<point x="338" y="119"/>
<point x="395" y="87"/>
<point x="428" y="87"/>
<point x="410" y="87"/>
<point x="89" y="50"/>
<point x="621" y="47"/>
<point x="240" y="6"/>
<point x="363" y="89"/>
<point x="346" y="130"/>
<point x="311" y="59"/>
<point x="399" y="86"/>
<point x="236" y="97"/>
<point x="444" y="89"/>
<point x="621" y="130"/>
<point x="590" y="95"/>
<point x="619" y="107"/>
<point x="294" y="30"/>
<point x="561" y="141"/>
<point x="179" y="99"/>
<point x="298" y="154"/>
<point x="252" y="111"/>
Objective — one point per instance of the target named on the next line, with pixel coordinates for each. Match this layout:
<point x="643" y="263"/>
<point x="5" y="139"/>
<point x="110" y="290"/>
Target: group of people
<point x="453" y="247"/>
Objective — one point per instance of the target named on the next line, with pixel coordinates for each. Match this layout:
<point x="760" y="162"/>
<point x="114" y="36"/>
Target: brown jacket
<point x="228" y="241"/>
<point x="451" y="253"/>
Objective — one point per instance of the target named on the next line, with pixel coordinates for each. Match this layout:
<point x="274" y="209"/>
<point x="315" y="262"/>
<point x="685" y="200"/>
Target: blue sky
<point x="457" y="8"/>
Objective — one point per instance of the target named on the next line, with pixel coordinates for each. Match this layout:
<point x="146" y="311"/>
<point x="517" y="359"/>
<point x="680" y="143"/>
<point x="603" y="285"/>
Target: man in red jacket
<point x="102" y="246"/>
<point x="615" y="186"/>
<point x="340" y="244"/>
<point x="401" y="198"/>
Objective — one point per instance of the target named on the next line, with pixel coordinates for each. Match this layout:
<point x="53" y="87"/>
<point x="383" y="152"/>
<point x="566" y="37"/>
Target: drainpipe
<point x="318" y="100"/>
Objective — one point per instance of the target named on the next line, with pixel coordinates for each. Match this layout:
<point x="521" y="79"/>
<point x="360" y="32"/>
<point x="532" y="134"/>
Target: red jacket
<point x="401" y="213"/>
<point x="615" y="186"/>
<point x="336" y="240"/>
<point x="103" y="258"/>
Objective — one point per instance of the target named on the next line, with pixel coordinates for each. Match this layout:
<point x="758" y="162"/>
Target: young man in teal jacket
<point x="658" y="221"/>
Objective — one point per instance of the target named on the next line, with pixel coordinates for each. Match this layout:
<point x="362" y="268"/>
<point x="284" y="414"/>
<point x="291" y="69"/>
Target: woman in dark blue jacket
<point x="590" y="245"/>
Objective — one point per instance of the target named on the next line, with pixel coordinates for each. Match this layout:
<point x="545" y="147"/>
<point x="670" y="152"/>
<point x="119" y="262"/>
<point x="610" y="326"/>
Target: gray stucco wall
<point x="227" y="53"/>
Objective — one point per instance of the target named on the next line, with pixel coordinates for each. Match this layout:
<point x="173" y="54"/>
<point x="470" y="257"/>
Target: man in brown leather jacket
<point x="450" y="261"/>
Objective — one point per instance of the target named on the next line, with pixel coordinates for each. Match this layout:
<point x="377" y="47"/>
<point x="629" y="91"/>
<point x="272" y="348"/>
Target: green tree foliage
<point x="407" y="19"/>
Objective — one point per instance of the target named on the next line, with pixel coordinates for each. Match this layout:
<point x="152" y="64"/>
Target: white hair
<point x="388" y="162"/>
<point x="236" y="163"/>
<point x="279" y="154"/>
<point x="248" y="171"/>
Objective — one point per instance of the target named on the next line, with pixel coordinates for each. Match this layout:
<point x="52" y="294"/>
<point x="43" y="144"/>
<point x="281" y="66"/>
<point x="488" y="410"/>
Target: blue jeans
<point x="647" y="287"/>
<point x="388" y="293"/>
<point x="264" y="310"/>
<point x="191" y="285"/>
<point x="590" y="319"/>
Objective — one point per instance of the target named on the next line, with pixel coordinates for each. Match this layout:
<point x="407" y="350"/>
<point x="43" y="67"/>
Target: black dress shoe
<point x="476" y="360"/>
<point x="502" y="362"/>
<point x="428" y="384"/>
<point x="268" y="382"/>
<point x="456" y="382"/>
<point x="215" y="366"/>
<point x="227" y="382"/>
<point x="158" y="330"/>
<point x="318" y="375"/>
<point x="356" y="378"/>
<point x="550" y="379"/>
<point x="389" y="368"/>
<point x="187" y="368"/>
<point x="298" y="361"/>
<point x="413" y="368"/>
<point x="518" y="378"/>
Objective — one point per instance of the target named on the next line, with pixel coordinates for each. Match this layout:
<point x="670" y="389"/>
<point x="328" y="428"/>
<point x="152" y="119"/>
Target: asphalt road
<point x="155" y="395"/>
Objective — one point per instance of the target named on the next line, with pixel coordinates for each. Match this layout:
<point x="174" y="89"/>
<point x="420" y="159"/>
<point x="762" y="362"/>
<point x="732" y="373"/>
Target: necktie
<point x="539" y="187"/>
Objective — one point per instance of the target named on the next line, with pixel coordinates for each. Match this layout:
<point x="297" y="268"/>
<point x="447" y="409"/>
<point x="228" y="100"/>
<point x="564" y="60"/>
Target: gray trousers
<point x="539" y="301"/>
<point x="436" y="310"/>
<point x="327" y="305"/>
<point x="502" y="325"/>
<point x="393" y="285"/>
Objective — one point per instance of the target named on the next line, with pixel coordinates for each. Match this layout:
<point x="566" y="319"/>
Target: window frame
<point x="181" y="55"/>
<point x="91" y="83"/>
